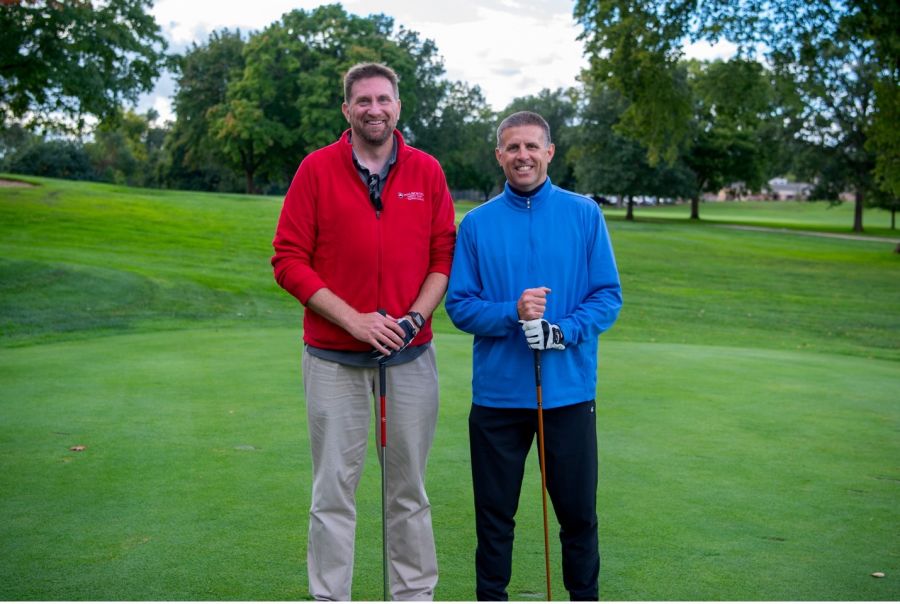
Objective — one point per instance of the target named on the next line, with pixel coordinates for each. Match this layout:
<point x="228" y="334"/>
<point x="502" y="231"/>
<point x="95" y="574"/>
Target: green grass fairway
<point x="798" y="215"/>
<point x="748" y="412"/>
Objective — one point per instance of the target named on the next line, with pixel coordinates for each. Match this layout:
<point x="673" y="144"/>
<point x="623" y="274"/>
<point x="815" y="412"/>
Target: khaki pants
<point x="340" y="401"/>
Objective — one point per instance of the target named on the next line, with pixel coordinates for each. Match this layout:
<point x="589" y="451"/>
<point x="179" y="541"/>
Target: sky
<point x="509" y="48"/>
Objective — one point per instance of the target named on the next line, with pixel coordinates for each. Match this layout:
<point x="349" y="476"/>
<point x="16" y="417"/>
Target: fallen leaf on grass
<point x="77" y="448"/>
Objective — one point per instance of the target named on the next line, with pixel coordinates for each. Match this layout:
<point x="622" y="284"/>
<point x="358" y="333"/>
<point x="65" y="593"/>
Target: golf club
<point x="540" y="411"/>
<point x="382" y="390"/>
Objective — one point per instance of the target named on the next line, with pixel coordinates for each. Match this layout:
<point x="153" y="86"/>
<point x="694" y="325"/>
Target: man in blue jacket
<point x="535" y="259"/>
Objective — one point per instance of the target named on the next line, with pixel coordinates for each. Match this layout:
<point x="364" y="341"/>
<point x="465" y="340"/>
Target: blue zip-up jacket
<point x="556" y="239"/>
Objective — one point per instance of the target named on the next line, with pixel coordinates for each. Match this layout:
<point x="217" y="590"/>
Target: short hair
<point x="524" y="118"/>
<point x="362" y="71"/>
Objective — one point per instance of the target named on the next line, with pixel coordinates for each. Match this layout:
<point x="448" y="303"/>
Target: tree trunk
<point x="629" y="214"/>
<point x="695" y="208"/>
<point x="858" y="213"/>
<point x="251" y="188"/>
<point x="893" y="219"/>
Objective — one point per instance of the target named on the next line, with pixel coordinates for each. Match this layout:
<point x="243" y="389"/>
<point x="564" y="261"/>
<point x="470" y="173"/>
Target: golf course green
<point x="153" y="442"/>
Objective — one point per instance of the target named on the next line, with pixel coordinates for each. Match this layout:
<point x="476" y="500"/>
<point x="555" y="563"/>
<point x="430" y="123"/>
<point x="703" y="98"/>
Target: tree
<point x="884" y="138"/>
<point x="607" y="163"/>
<point x="835" y="53"/>
<point x="886" y="201"/>
<point x="462" y="134"/>
<point x="61" y="61"/>
<point x="634" y="48"/>
<point x="193" y="157"/>
<point x="837" y="79"/>
<point x="287" y="101"/>
<point x="731" y="102"/>
<point x="127" y="149"/>
<point x="246" y="135"/>
<point x="876" y="21"/>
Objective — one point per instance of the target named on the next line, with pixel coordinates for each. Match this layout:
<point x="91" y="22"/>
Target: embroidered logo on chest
<point x="412" y="196"/>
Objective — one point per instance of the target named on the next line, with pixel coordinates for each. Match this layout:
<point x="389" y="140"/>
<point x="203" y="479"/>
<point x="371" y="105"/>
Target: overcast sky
<point x="510" y="48"/>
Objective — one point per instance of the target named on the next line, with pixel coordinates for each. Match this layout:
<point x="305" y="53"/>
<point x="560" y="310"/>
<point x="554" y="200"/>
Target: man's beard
<point x="375" y="141"/>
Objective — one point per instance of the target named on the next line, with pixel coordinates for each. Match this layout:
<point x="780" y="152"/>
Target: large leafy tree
<point x="877" y="21"/>
<point x="836" y="75"/>
<point x="607" y="163"/>
<point x="287" y="101"/>
<point x="836" y="53"/>
<point x="461" y="134"/>
<point x="194" y="157"/>
<point x="727" y="141"/>
<point x="62" y="61"/>
<point x="634" y="48"/>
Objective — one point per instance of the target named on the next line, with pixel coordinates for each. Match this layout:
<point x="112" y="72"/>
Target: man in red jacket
<point x="364" y="242"/>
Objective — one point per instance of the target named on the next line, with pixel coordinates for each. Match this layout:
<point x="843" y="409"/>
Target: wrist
<point x="558" y="335"/>
<point x="417" y="319"/>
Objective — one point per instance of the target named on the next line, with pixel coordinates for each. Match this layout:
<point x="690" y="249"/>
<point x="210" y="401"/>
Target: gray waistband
<point x="364" y="359"/>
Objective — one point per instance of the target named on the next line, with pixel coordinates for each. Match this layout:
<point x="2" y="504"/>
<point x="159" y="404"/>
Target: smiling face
<point x="524" y="156"/>
<point x="373" y="110"/>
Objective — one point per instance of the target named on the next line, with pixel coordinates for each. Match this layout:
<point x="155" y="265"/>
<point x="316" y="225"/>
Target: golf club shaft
<point x="540" y="413"/>
<point x="382" y="392"/>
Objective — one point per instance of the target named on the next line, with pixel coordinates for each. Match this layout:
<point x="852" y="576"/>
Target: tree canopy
<point x="282" y="97"/>
<point x="838" y="59"/>
<point x="61" y="61"/>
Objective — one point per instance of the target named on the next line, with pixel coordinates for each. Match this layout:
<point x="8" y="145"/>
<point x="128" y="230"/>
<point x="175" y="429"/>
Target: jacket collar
<point x="524" y="202"/>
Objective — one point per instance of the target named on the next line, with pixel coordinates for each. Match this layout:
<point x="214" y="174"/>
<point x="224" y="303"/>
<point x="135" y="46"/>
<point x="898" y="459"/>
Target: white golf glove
<point x="542" y="335"/>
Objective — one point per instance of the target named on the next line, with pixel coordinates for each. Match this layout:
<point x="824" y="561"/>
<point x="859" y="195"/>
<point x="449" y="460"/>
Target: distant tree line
<point x="820" y="104"/>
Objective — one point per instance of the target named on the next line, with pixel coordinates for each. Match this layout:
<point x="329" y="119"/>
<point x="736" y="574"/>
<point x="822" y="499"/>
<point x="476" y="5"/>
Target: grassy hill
<point x="747" y="410"/>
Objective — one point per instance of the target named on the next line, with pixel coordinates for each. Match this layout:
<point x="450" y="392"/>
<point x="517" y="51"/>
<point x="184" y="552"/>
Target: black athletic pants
<point x="500" y="440"/>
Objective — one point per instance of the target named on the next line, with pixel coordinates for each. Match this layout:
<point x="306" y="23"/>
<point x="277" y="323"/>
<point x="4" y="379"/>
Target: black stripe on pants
<point x="499" y="440"/>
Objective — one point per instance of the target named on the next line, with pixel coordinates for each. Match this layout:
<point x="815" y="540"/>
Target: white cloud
<point x="509" y="53"/>
<point x="185" y="22"/>
<point x="705" y="51"/>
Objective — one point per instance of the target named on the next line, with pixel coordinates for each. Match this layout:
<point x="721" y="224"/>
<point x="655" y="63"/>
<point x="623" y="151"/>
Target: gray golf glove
<point x="409" y="332"/>
<point x="542" y="335"/>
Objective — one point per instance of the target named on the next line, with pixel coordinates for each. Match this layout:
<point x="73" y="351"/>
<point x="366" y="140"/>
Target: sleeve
<point x="600" y="307"/>
<point x="295" y="238"/>
<point x="443" y="225"/>
<point x="465" y="304"/>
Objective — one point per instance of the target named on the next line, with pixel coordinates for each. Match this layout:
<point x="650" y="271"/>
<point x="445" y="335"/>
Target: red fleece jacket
<point x="329" y="235"/>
